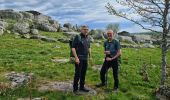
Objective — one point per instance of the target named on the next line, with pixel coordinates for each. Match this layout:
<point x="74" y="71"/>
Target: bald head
<point x="110" y="34"/>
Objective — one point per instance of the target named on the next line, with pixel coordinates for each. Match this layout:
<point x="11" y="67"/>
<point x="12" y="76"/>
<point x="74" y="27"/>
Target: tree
<point x="153" y="14"/>
<point x="114" y="27"/>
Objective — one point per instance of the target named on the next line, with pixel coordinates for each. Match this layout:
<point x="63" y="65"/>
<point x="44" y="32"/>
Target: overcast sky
<point x="90" y="12"/>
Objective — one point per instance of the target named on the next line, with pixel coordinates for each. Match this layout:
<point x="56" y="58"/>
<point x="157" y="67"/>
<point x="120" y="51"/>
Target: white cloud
<point x="77" y="12"/>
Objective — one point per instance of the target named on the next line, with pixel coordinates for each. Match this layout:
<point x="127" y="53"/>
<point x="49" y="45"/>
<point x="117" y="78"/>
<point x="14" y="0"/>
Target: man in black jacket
<point x="112" y="52"/>
<point x="80" y="50"/>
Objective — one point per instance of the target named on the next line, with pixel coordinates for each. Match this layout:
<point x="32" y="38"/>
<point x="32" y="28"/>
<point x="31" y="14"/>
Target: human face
<point x="85" y="30"/>
<point x="110" y="35"/>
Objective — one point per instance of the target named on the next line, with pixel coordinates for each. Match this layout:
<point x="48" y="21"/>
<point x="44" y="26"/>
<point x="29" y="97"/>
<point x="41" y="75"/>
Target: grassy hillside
<point x="34" y="56"/>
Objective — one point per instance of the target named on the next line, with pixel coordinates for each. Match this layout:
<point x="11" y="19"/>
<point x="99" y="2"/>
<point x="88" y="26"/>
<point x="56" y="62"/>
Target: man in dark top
<point x="81" y="49"/>
<point x="112" y="52"/>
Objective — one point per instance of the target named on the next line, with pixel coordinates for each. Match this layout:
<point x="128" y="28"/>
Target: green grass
<point x="29" y="55"/>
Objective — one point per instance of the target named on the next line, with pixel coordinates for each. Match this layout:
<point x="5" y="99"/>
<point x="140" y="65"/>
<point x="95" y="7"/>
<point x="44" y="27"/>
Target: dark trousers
<point x="104" y="69"/>
<point x="80" y="73"/>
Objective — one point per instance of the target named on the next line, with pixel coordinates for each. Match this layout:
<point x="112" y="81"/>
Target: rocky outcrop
<point x="27" y="15"/>
<point x="126" y="39"/>
<point x="21" y="28"/>
<point x="42" y="22"/>
<point x="141" y="38"/>
<point x="124" y="33"/>
<point x="11" y="14"/>
<point x="45" y="26"/>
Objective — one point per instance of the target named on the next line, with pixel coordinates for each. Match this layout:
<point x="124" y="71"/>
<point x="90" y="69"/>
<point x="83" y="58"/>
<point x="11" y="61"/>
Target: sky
<point x="82" y="12"/>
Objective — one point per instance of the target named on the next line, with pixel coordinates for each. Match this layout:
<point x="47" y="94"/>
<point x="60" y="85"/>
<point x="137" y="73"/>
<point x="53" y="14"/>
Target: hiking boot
<point x="84" y="90"/>
<point x="100" y="85"/>
<point x="75" y="91"/>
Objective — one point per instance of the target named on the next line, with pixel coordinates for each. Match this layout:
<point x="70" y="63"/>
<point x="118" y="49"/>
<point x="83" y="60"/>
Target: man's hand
<point x="109" y="59"/>
<point x="77" y="61"/>
<point x="107" y="52"/>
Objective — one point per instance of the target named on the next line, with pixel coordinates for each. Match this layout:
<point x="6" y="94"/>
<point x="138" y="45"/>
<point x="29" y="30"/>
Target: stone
<point x="147" y="45"/>
<point x="141" y="38"/>
<point x="126" y="39"/>
<point x="45" y="26"/>
<point x="98" y="36"/>
<point x="43" y="38"/>
<point x="97" y="44"/>
<point x="10" y="14"/>
<point x="21" y="28"/>
<point x="60" y="60"/>
<point x="1" y="30"/>
<point x="68" y="25"/>
<point x="3" y="24"/>
<point x="34" y="31"/>
<point x="130" y="46"/>
<point x="124" y="33"/>
<point x="63" y="86"/>
<point x="27" y="15"/>
<point x="26" y="36"/>
<point x="71" y="33"/>
<point x="97" y="67"/>
<point x="54" y="23"/>
<point x="91" y="39"/>
<point x="64" y="40"/>
<point x="18" y="79"/>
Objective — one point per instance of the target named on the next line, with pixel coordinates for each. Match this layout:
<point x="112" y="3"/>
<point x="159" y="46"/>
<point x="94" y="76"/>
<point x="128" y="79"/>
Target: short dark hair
<point x="84" y="26"/>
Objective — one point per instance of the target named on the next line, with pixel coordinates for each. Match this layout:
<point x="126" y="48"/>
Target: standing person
<point x="112" y="52"/>
<point x="81" y="50"/>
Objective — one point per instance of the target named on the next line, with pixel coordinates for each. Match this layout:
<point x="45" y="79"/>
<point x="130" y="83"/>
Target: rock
<point x="93" y="32"/>
<point x="3" y="24"/>
<point x="21" y="28"/>
<point x="126" y="39"/>
<point x="18" y="79"/>
<point x="71" y="33"/>
<point x="98" y="36"/>
<point x="34" y="31"/>
<point x="97" y="67"/>
<point x="27" y="15"/>
<point x="54" y="23"/>
<point x="8" y="31"/>
<point x="32" y="99"/>
<point x="124" y="33"/>
<point x="63" y="40"/>
<point x="130" y="46"/>
<point x="59" y="60"/>
<point x="1" y="30"/>
<point x="26" y="36"/>
<point x="141" y="38"/>
<point x="68" y="25"/>
<point x="147" y="45"/>
<point x="57" y="47"/>
<point x="63" y="86"/>
<point x="43" y="38"/>
<point x="64" y="29"/>
<point x="97" y="44"/>
<point x="91" y="39"/>
<point x="45" y="26"/>
<point x="10" y="14"/>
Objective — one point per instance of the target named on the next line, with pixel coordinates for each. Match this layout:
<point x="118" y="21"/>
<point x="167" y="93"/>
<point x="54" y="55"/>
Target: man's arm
<point x="75" y="55"/>
<point x="117" y="54"/>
